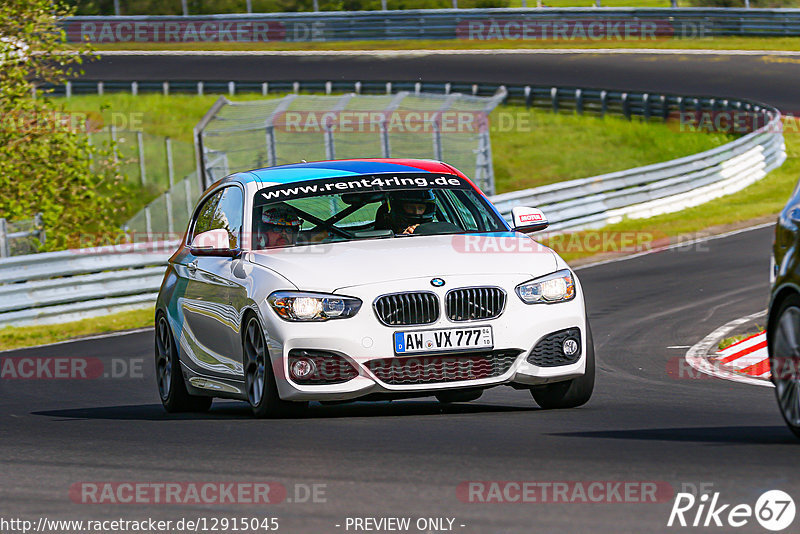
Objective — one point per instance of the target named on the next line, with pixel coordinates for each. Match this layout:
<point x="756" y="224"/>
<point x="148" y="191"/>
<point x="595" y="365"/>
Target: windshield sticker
<point x="333" y="186"/>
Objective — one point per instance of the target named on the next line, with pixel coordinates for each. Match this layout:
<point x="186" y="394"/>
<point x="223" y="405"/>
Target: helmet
<point x="280" y="216"/>
<point x="404" y="210"/>
<point x="279" y="226"/>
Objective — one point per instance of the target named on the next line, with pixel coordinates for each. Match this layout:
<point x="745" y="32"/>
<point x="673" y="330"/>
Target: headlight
<point x="299" y="306"/>
<point x="555" y="287"/>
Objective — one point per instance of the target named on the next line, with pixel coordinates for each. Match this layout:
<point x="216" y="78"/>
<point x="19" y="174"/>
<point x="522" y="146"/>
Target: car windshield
<point x="369" y="207"/>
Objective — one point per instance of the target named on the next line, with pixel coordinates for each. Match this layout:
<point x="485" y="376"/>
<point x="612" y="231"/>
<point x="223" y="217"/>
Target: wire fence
<point x="21" y="237"/>
<point x="153" y="161"/>
<point x="236" y="136"/>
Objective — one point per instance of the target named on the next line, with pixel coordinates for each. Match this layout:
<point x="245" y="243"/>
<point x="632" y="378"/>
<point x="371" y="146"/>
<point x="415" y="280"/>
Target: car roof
<point x="299" y="172"/>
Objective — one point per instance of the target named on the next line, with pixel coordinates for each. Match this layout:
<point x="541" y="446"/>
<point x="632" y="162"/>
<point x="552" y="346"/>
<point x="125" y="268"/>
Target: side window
<point x="224" y="210"/>
<point x="467" y="220"/>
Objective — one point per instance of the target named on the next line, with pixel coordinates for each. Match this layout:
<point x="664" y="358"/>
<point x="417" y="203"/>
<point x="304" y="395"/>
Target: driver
<point x="408" y="209"/>
<point x="278" y="227"/>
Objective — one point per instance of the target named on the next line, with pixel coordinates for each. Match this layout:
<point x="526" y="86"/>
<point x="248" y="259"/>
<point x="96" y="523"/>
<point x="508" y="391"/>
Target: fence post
<point x="188" y="187"/>
<point x="148" y="222"/>
<point x="554" y="98"/>
<point x="170" y="225"/>
<point x="113" y="132"/>
<point x="528" y="97"/>
<point x="386" y="149"/>
<point x="142" y="171"/>
<point x="272" y="155"/>
<point x="200" y="88"/>
<point x="603" y="103"/>
<point x="165" y="88"/>
<point x="626" y="111"/>
<point x="38" y="221"/>
<point x="231" y="88"/>
<point x="134" y="88"/>
<point x="265" y="89"/>
<point x="646" y="106"/>
<point x="579" y="101"/>
<point x="170" y="168"/>
<point x="4" y="252"/>
<point x="437" y="141"/>
<point x="185" y="7"/>
<point x="330" y="149"/>
<point x="68" y="89"/>
<point x="99" y="88"/>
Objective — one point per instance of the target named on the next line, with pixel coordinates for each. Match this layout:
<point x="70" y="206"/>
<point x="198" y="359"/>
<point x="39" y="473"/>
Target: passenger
<point x="278" y="227"/>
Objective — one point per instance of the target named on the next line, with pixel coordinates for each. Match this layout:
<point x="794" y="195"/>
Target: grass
<point x="760" y="201"/>
<point x="545" y="148"/>
<point x="27" y="336"/>
<point x="715" y="43"/>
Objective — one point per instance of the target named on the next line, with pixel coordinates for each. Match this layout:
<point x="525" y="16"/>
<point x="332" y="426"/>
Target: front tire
<point x="171" y="387"/>
<point x="570" y="393"/>
<point x="259" y="380"/>
<point x="784" y="357"/>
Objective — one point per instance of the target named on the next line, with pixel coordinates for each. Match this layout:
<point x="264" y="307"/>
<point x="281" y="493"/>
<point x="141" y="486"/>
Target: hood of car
<point x="331" y="266"/>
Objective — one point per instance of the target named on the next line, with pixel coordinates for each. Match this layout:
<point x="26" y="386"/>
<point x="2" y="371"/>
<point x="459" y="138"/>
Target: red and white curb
<point x="746" y="361"/>
<point x="748" y="356"/>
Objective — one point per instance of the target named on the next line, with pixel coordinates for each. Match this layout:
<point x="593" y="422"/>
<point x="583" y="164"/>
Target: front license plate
<point x="443" y="340"/>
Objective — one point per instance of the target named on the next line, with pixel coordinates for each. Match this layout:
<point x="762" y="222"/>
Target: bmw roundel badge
<point x="437" y="282"/>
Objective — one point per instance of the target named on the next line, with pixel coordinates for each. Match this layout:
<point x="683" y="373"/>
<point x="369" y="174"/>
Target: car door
<point x="210" y="336"/>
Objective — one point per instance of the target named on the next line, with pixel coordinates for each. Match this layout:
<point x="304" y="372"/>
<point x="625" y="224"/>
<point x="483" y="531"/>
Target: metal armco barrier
<point x="592" y="24"/>
<point x="56" y="287"/>
<point x="62" y="286"/>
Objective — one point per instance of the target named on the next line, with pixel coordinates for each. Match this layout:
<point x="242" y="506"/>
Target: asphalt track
<point x="645" y="423"/>
<point x="769" y="79"/>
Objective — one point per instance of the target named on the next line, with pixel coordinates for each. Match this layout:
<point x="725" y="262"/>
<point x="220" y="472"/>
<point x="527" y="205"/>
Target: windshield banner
<point x="362" y="184"/>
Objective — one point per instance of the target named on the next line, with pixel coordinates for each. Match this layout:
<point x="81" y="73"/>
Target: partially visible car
<point x="783" y="320"/>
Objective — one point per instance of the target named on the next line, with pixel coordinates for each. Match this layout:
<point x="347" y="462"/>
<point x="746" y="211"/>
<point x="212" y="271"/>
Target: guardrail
<point x="589" y="24"/>
<point x="56" y="287"/>
<point x="61" y="286"/>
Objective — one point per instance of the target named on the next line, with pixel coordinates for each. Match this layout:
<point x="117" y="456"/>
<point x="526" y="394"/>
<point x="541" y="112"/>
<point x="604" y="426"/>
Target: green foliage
<point x="46" y="162"/>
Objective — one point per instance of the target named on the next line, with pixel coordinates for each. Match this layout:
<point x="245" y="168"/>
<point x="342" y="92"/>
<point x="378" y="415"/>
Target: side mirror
<point x="213" y="243"/>
<point x="528" y="220"/>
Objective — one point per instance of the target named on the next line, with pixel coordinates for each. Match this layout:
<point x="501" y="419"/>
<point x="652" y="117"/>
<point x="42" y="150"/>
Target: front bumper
<point x="363" y="339"/>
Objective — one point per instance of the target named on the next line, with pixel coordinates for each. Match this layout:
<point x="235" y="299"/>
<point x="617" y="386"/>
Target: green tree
<point x="46" y="161"/>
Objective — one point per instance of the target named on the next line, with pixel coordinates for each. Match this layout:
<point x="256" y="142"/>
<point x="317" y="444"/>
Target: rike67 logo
<point x="774" y="510"/>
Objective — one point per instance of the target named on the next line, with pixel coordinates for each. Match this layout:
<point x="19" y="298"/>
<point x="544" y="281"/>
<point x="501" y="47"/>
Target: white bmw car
<point x="365" y="280"/>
